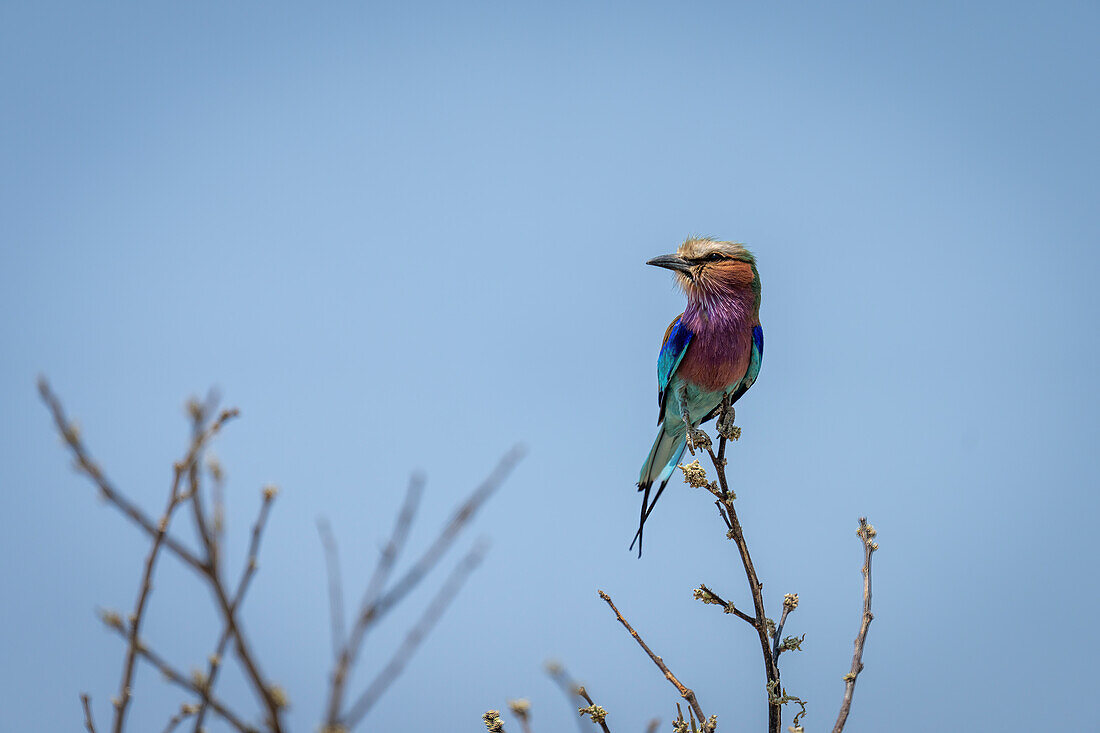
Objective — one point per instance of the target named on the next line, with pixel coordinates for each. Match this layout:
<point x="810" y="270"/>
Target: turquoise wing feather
<point x="673" y="348"/>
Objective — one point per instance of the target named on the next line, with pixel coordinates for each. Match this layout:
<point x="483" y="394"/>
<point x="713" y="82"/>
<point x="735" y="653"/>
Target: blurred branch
<point x="522" y="709"/>
<point x="866" y="534"/>
<point x="416" y="634"/>
<point x="250" y="566"/>
<point x="196" y="685"/>
<point x="124" y="692"/>
<point x="84" y="464"/>
<point x="376" y="602"/>
<point x="335" y="585"/>
<point x="568" y="686"/>
<point x="86" y="702"/>
<point x="186" y="710"/>
<point x="685" y="692"/>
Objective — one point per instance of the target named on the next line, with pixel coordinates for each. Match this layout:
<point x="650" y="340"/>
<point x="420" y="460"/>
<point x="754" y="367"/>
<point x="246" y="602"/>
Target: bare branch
<point x="186" y="710"/>
<point x="685" y="692"/>
<point x="86" y="465"/>
<point x="335" y="585"/>
<point x="89" y="722"/>
<point x="522" y="709"/>
<point x="866" y="534"/>
<point x="725" y="504"/>
<point x="187" y="465"/>
<point x="593" y="711"/>
<point x="375" y="608"/>
<point x="198" y="687"/>
<point x="416" y="635"/>
<point x="707" y="596"/>
<point x="250" y="566"/>
<point x="568" y="686"/>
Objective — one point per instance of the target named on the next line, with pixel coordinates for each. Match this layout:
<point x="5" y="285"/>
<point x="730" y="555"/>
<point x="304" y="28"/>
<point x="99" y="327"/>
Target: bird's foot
<point x="697" y="438"/>
<point x="725" y="425"/>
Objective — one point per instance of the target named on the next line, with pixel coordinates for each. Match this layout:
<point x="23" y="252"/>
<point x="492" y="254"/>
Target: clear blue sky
<point x="406" y="236"/>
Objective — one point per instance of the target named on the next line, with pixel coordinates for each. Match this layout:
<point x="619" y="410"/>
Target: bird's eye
<point x="713" y="257"/>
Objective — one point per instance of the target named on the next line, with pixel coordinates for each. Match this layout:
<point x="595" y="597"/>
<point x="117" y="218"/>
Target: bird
<point x="710" y="351"/>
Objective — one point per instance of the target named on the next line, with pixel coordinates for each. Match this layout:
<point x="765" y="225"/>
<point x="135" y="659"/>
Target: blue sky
<point x="409" y="235"/>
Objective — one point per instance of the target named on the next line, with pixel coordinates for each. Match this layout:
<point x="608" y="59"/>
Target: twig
<point x="89" y="722"/>
<point x="522" y="709"/>
<point x="250" y="566"/>
<point x="372" y="611"/>
<point x="594" y="711"/>
<point x="685" y="692"/>
<point x="706" y="595"/>
<point x="866" y="534"/>
<point x="416" y="634"/>
<point x="176" y="677"/>
<point x="335" y="585"/>
<point x="186" y="710"/>
<point x="348" y="650"/>
<point x="174" y="499"/>
<point x="84" y="463"/>
<point x="567" y="685"/>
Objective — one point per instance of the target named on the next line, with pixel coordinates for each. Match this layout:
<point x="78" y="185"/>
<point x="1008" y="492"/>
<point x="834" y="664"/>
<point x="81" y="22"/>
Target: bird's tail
<point x="658" y="468"/>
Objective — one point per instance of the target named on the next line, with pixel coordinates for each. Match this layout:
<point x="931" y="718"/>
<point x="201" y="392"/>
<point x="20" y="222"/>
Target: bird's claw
<point x="697" y="438"/>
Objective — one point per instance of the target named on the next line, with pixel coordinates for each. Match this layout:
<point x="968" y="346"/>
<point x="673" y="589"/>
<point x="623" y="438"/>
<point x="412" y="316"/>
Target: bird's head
<point x="706" y="266"/>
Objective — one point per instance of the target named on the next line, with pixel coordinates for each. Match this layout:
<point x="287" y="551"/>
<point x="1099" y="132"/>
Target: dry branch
<point x="867" y="535"/>
<point x="208" y="566"/>
<point x="89" y="723"/>
<point x="685" y="692"/>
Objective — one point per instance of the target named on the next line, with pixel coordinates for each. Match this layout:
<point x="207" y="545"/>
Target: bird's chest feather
<point x="719" y="359"/>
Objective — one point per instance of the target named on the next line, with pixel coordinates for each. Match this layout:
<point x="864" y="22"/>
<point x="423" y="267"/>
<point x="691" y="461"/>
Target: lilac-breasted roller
<point x="712" y="349"/>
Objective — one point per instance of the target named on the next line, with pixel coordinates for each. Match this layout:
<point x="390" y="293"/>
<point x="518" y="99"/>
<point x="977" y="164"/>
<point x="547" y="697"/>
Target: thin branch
<point x="122" y="702"/>
<point x="522" y="709"/>
<point x="416" y="635"/>
<point x="725" y="504"/>
<point x="567" y="685"/>
<point x="174" y="499"/>
<point x="186" y="710"/>
<point x="250" y="566"/>
<point x="373" y="611"/>
<point x="866" y="534"/>
<point x="706" y="595"/>
<point x="349" y="648"/>
<point x="335" y="585"/>
<point x="86" y="465"/>
<point x="177" y="678"/>
<point x="89" y="722"/>
<point x="595" y="712"/>
<point x="685" y="692"/>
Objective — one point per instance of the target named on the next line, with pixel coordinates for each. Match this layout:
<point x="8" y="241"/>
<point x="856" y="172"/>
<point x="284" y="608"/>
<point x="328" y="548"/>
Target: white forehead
<point x="701" y="247"/>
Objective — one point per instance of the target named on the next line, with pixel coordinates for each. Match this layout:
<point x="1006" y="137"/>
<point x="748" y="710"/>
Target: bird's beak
<point x="672" y="262"/>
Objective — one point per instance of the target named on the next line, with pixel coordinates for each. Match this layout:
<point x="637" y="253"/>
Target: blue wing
<point x="755" y="359"/>
<point x="673" y="348"/>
